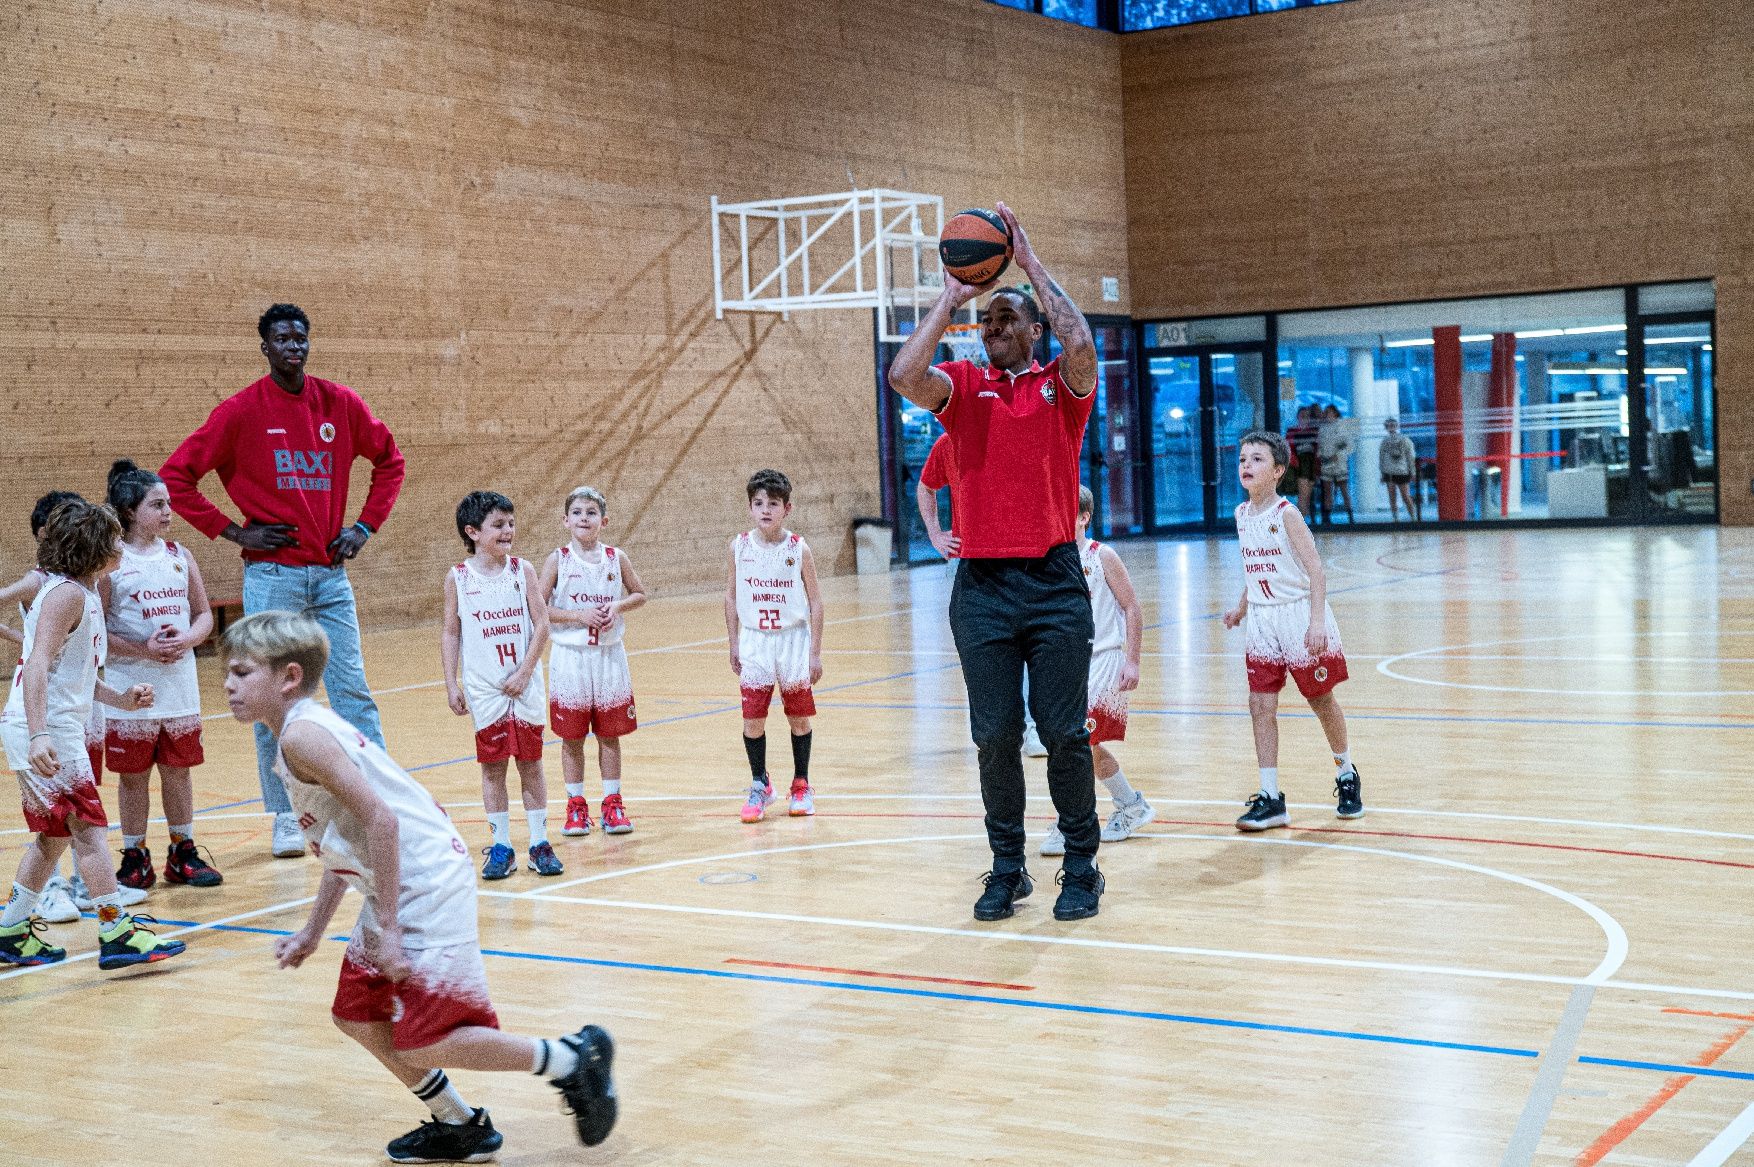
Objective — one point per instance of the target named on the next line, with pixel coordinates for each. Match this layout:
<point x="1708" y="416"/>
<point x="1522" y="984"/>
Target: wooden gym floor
<point x="1535" y="940"/>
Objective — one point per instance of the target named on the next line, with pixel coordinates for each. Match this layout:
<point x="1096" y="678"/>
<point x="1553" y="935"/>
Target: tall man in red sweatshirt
<point x="283" y="449"/>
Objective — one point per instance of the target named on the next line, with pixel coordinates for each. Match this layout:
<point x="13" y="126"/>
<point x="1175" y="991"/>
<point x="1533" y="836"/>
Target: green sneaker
<point x="23" y="944"/>
<point x="129" y="942"/>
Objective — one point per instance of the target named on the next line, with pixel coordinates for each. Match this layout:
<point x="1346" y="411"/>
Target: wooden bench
<point x="222" y="616"/>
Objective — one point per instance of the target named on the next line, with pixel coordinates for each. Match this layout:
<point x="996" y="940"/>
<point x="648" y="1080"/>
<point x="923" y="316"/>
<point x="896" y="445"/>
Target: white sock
<point x="553" y="1059"/>
<point x="1343" y="759"/>
<point x="500" y="823"/>
<point x="1120" y="789"/>
<point x="133" y="841"/>
<point x="575" y="789"/>
<point x="538" y="820"/>
<point x="1270" y="781"/>
<point x="611" y="786"/>
<point x="99" y="904"/>
<point x="19" y="907"/>
<point x="442" y="1099"/>
<point x="187" y="831"/>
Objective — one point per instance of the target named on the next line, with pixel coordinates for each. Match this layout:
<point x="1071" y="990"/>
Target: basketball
<point x="975" y="246"/>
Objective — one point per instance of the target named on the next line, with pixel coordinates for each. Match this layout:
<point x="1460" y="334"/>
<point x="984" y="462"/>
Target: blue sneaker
<point x="501" y="862"/>
<point x="544" y="860"/>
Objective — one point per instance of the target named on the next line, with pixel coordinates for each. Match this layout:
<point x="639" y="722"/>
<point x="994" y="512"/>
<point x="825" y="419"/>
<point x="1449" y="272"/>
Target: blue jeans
<point x="325" y="595"/>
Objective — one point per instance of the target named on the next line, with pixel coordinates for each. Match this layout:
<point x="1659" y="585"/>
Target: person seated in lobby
<point x="1305" y="463"/>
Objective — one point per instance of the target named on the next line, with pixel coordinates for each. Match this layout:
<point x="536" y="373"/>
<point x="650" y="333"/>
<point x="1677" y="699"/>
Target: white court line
<point x="1440" y="653"/>
<point x="1610" y="963"/>
<point x="732" y="799"/>
<point x="1729" y="1141"/>
<point x="1537" y="1111"/>
<point x="94" y="953"/>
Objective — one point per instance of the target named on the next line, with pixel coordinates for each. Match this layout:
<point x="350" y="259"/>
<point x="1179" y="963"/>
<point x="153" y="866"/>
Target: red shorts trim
<point x="81" y="802"/>
<point x="798" y="702"/>
<point x="1105" y="725"/>
<point x="420" y="1011"/>
<point x="137" y="754"/>
<point x="508" y="738"/>
<point x="572" y="723"/>
<point x="1313" y="679"/>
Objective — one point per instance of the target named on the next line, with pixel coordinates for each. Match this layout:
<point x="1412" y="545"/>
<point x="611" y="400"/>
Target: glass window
<point x="1682" y="464"/>
<point x="1693" y="296"/>
<point x="1142" y="14"/>
<point x="1542" y="417"/>
<point x="1077" y="11"/>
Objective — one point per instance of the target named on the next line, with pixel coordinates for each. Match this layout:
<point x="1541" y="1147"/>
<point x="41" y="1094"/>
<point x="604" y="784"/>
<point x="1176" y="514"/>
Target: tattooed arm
<point x="1078" y="348"/>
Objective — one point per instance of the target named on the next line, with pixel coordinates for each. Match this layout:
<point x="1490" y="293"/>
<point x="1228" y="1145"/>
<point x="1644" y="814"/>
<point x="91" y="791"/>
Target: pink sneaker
<point x="803" y="802"/>
<point x="615" y="820"/>
<point x="761" y="796"/>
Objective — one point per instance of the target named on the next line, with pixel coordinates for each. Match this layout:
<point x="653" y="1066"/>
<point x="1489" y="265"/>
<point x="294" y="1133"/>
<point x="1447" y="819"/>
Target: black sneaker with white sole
<point x="589" y="1091"/>
<point x="1080" y="892"/>
<point x="1003" y="890"/>
<point x="474" y="1141"/>
<point x="1263" y="813"/>
<point x="1349" y="795"/>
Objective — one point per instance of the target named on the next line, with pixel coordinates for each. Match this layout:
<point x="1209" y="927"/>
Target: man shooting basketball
<point x="1020" y="600"/>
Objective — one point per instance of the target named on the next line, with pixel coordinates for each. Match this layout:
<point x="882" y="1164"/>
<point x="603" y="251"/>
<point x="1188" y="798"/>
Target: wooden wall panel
<point x="1385" y="150"/>
<point x="496" y="215"/>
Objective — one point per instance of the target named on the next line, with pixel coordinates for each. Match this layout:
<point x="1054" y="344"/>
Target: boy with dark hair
<point x="495" y="631"/>
<point x="773" y="616"/>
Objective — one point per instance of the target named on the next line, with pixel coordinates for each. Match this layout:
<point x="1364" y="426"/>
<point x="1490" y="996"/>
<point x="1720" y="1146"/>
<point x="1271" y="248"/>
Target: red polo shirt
<point x="286" y="458"/>
<point x="1015" y="442"/>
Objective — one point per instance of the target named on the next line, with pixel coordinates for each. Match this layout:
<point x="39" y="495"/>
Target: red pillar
<point x="1500" y="404"/>
<point x="1452" y="480"/>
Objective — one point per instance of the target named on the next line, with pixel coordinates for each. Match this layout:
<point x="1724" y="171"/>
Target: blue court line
<point x="1243" y="713"/>
<point x="1049" y="1006"/>
<point x="228" y="805"/>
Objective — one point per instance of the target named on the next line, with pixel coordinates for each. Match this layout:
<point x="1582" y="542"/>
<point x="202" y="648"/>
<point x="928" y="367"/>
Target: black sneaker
<point x="1263" y="812"/>
<point x="474" y="1141"/>
<point x="1349" y="795"/>
<point x="588" y="1091"/>
<point x="1080" y="892"/>
<point x="1002" y="891"/>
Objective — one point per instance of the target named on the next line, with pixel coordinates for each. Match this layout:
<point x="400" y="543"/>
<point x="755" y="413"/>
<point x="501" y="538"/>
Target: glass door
<point x="1177" y="461"/>
<point x="1112" y="455"/>
<point x="917" y="431"/>
<point x="1681" y="467"/>
<point x="1239" y="405"/>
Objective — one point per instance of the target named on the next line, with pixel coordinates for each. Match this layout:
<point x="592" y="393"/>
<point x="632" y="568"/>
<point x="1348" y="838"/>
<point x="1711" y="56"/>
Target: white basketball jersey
<point x="1111" y="622"/>
<point x="72" y="674"/>
<point x="436" y="900"/>
<point x="493" y="612"/>
<point x="1269" y="569"/>
<point x="150" y="591"/>
<point x="770" y="582"/>
<point x="583" y="583"/>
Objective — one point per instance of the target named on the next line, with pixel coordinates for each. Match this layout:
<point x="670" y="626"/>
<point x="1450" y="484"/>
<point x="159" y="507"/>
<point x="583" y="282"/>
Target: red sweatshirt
<point x="285" y="458"/>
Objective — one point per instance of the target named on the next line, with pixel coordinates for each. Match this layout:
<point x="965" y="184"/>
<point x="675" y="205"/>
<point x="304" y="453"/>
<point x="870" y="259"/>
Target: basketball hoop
<point x="964" y="343"/>
<point x="874" y="249"/>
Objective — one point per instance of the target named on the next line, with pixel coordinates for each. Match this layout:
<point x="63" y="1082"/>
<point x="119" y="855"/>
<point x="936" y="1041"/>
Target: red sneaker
<point x="185" y="865"/>
<point x="578" y="817"/>
<point x="136" y="870"/>
<point x="615" y="820"/>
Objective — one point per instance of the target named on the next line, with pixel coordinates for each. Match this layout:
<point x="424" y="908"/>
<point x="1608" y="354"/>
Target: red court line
<point x="1620" y="1131"/>
<point x="857" y="972"/>
<point x="1382" y="834"/>
<point x="1706" y="1013"/>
